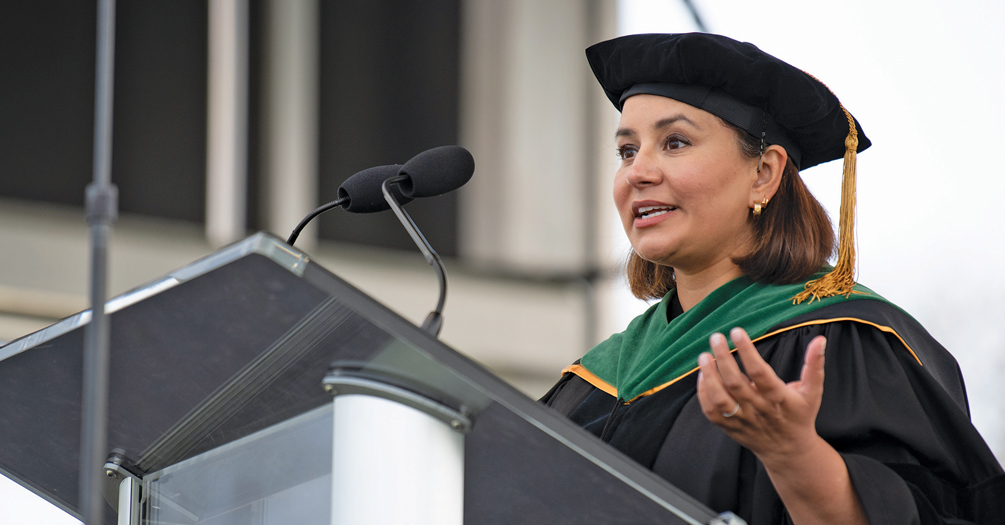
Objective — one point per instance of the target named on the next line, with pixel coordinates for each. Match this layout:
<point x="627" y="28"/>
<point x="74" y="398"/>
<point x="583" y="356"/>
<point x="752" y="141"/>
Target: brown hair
<point x="792" y="238"/>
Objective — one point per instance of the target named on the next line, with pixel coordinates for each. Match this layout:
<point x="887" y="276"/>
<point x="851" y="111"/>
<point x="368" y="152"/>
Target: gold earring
<point x="758" y="206"/>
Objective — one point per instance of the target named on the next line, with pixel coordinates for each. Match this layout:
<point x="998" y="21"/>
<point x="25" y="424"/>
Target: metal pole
<point x="434" y="321"/>
<point x="101" y="210"/>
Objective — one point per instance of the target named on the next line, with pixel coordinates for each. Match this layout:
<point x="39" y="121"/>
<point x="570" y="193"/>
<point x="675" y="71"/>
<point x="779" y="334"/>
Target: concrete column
<point x="291" y="117"/>
<point x="227" y="134"/>
<point x="526" y="115"/>
<point x="541" y="132"/>
<point x="608" y="242"/>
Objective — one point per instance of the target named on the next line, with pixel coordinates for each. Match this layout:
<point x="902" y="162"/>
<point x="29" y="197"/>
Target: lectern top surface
<point x="240" y="341"/>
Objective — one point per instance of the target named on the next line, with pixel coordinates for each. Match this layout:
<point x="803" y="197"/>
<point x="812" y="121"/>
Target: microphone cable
<point x="310" y="216"/>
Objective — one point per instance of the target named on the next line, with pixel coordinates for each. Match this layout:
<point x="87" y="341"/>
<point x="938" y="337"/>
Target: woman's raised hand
<point x="757" y="409"/>
<point x="777" y="422"/>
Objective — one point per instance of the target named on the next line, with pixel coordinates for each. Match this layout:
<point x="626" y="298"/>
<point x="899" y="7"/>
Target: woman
<point x="712" y="135"/>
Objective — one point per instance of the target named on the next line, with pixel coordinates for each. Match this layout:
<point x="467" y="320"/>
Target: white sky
<point x="925" y="79"/>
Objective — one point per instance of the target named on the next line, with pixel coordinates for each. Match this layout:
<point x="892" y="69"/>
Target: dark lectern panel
<point x="294" y="388"/>
<point x="176" y="349"/>
<point x="239" y="343"/>
<point x="168" y="354"/>
<point x="40" y="417"/>
<point x="515" y="473"/>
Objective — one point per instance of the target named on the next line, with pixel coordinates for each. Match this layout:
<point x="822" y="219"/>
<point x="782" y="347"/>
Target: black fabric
<point x="569" y="393"/>
<point x="902" y="427"/>
<point x="794" y="105"/>
<point x="882" y="493"/>
<point x="675" y="308"/>
<point x="939" y="499"/>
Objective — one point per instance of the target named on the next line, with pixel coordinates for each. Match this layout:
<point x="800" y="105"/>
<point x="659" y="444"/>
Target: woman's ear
<point x="766" y="181"/>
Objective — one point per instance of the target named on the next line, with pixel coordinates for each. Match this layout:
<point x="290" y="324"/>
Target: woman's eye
<point x="626" y="152"/>
<point x="675" y="142"/>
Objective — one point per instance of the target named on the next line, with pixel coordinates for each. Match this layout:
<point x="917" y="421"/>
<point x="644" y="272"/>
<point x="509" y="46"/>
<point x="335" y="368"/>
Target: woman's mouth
<point x="651" y="213"/>
<point x="647" y="212"/>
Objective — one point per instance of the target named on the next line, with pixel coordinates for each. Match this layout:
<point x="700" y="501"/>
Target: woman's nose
<point x="644" y="170"/>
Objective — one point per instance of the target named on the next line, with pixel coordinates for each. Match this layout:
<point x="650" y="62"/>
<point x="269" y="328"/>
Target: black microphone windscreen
<point x="437" y="171"/>
<point x="363" y="190"/>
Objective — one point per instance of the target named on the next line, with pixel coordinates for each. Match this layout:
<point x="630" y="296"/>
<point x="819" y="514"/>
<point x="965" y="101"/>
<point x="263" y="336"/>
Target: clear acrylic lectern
<point x="255" y="387"/>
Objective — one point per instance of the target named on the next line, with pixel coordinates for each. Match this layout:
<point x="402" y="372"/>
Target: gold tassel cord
<point x="840" y="280"/>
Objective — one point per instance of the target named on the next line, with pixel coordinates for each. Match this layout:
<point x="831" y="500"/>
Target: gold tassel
<point x="841" y="279"/>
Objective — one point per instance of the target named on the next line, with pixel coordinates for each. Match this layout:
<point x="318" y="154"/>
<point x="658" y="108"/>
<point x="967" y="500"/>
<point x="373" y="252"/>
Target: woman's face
<point x="683" y="190"/>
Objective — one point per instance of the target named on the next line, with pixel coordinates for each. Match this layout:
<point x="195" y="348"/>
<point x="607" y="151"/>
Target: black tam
<point x="733" y="80"/>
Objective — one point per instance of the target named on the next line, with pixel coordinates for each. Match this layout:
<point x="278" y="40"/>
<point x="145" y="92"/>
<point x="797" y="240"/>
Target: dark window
<point x="46" y="99"/>
<point x="389" y="90"/>
<point x="159" y="127"/>
<point x="160" y="108"/>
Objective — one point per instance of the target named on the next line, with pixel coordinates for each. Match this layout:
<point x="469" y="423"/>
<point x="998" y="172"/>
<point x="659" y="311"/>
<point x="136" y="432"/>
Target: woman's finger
<point x="767" y="382"/>
<point x="811" y="378"/>
<point x="735" y="381"/>
<point x="712" y="395"/>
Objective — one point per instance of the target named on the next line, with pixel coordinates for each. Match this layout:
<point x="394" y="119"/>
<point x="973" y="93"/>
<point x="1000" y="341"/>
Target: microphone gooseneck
<point x="434" y="321"/>
<point x="428" y="174"/>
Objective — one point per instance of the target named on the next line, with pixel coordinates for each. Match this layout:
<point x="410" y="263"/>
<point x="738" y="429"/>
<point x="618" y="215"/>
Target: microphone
<point x="362" y="190"/>
<point x="430" y="173"/>
<point x="359" y="193"/>
<point x="436" y="171"/>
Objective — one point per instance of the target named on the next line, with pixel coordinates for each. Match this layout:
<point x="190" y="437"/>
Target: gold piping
<point x="591" y="378"/>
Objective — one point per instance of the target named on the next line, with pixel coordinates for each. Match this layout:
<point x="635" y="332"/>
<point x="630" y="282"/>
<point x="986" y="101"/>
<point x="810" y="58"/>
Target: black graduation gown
<point x="903" y="428"/>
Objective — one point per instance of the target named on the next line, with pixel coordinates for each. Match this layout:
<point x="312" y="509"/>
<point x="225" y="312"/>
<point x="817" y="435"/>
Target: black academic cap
<point x="755" y="91"/>
<point x="733" y="80"/>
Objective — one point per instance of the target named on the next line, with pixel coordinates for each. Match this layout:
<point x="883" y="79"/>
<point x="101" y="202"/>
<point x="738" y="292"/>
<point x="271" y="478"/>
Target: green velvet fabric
<point x="652" y="352"/>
